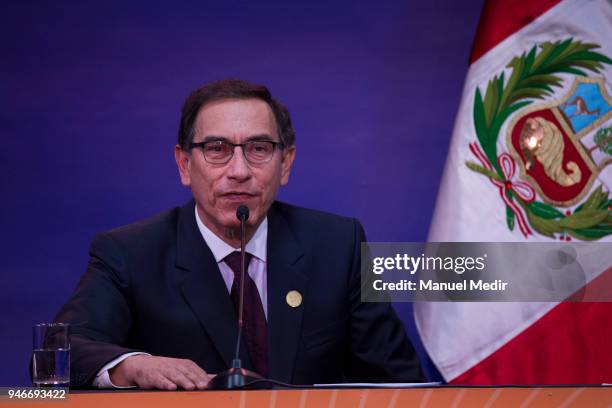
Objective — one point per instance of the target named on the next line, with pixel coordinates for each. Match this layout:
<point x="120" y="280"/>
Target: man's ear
<point x="286" y="163"/>
<point x="182" y="159"/>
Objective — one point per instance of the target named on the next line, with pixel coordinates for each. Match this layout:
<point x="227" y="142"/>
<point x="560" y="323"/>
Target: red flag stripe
<point x="568" y="345"/>
<point x="501" y="18"/>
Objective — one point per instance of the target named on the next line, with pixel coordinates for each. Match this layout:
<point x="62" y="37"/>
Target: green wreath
<point x="533" y="77"/>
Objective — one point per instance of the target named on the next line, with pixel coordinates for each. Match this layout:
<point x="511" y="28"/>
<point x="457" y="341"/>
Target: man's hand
<point x="162" y="373"/>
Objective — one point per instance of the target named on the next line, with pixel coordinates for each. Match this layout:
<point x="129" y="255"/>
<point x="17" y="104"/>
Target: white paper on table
<point x="378" y="385"/>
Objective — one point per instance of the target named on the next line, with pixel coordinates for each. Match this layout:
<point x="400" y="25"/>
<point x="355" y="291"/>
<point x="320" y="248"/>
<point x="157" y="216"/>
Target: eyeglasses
<point x="222" y="151"/>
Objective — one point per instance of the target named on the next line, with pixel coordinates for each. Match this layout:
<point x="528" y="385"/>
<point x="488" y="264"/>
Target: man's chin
<point x="230" y="208"/>
<point x="231" y="220"/>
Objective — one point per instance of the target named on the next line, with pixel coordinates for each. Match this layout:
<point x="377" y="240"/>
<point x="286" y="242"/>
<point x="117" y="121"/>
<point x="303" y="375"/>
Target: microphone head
<point x="242" y="211"/>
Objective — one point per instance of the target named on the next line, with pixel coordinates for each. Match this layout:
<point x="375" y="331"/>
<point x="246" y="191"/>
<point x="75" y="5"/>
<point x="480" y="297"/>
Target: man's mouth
<point x="237" y="196"/>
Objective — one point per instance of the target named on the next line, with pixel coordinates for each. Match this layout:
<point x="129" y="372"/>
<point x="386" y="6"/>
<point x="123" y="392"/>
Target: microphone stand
<point x="236" y="376"/>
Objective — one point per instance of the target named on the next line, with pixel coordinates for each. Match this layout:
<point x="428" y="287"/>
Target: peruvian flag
<point x="530" y="161"/>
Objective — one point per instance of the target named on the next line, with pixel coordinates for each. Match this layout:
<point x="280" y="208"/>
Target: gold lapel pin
<point x="294" y="298"/>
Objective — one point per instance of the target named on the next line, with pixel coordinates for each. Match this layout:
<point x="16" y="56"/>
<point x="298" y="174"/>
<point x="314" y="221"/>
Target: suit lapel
<point x="204" y="288"/>
<point x="285" y="268"/>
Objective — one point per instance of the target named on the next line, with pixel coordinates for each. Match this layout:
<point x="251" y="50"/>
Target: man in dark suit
<point x="156" y="307"/>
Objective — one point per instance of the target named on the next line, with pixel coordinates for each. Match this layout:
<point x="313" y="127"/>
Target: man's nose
<point x="238" y="168"/>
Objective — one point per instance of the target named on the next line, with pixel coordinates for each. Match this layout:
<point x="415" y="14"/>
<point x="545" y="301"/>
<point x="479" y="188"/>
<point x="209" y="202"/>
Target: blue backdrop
<point x="90" y="94"/>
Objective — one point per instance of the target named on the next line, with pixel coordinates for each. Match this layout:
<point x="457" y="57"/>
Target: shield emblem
<point x="555" y="143"/>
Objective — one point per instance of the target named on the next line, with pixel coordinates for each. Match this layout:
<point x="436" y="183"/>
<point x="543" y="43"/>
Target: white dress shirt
<point x="257" y="247"/>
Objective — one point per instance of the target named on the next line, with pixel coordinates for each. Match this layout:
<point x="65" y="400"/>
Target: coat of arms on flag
<point x="556" y="149"/>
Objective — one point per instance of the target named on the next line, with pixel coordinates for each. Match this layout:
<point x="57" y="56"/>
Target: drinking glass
<point x="51" y="355"/>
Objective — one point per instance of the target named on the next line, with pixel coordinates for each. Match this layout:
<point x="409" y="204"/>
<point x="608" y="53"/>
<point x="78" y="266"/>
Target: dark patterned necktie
<point x="255" y="328"/>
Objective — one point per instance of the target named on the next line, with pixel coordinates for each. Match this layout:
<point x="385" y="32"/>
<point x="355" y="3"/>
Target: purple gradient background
<point x="90" y="94"/>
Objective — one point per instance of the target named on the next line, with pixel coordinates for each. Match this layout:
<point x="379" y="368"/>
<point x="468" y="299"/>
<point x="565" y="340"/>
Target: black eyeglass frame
<point x="201" y="145"/>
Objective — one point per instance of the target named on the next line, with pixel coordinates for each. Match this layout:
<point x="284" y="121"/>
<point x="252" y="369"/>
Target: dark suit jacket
<point x="154" y="286"/>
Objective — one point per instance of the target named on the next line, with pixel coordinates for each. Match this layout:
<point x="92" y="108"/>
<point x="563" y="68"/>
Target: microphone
<point x="237" y="377"/>
<point x="242" y="213"/>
